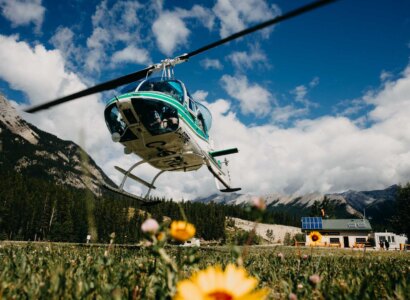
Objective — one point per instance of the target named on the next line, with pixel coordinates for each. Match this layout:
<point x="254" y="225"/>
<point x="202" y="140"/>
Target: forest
<point x="37" y="209"/>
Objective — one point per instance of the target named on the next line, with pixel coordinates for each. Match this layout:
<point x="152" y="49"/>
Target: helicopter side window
<point x="114" y="120"/>
<point x="192" y="108"/>
<point x="206" y="117"/>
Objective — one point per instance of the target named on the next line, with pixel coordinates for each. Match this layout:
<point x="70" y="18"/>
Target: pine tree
<point x="401" y="220"/>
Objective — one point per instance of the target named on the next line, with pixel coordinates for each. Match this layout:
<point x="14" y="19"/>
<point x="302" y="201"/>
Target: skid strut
<point x="127" y="174"/>
<point x="149" y="185"/>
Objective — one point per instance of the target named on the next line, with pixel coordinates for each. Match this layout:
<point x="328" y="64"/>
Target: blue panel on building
<point x="312" y="223"/>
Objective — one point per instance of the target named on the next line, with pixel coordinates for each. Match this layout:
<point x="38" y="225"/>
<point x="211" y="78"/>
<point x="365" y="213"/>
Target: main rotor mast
<point x="167" y="65"/>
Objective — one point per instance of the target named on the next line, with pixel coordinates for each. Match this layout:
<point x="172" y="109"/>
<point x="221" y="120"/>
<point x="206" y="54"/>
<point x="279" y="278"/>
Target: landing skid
<point x="143" y="200"/>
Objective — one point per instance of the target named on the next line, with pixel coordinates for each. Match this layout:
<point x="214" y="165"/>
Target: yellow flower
<point x="160" y="236"/>
<point x="214" y="284"/>
<point x="315" y="237"/>
<point x="182" y="231"/>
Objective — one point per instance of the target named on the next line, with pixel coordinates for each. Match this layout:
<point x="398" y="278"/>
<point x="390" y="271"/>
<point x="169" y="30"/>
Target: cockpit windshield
<point x="167" y="86"/>
<point x="130" y="87"/>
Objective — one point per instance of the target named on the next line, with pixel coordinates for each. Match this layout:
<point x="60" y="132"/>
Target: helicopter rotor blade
<point x="108" y="85"/>
<point x="278" y="19"/>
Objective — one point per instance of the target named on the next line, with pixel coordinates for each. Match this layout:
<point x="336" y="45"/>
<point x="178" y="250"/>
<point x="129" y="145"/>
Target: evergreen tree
<point x="401" y="220"/>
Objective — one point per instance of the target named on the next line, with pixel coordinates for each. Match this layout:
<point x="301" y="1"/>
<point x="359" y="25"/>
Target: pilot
<point x="150" y="86"/>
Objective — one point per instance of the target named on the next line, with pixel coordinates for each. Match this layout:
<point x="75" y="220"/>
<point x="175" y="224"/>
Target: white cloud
<point x="131" y="54"/>
<point x="36" y="71"/>
<point x="243" y="60"/>
<point x="113" y="26"/>
<point x="351" y="107"/>
<point x="282" y="114"/>
<point x="208" y="63"/>
<point x="23" y="12"/>
<point x="384" y="75"/>
<point x="300" y="92"/>
<point x="204" y="15"/>
<point x="63" y="40"/>
<point x="200" y="95"/>
<point x="97" y="44"/>
<point x="170" y="30"/>
<point x="327" y="154"/>
<point x="236" y="15"/>
<point x="121" y="14"/>
<point x="392" y="100"/>
<point x="253" y="98"/>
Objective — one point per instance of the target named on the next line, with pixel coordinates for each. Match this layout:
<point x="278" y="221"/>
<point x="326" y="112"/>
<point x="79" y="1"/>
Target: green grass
<point x="55" y="271"/>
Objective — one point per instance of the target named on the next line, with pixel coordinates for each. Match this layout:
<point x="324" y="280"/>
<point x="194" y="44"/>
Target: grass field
<point x="51" y="271"/>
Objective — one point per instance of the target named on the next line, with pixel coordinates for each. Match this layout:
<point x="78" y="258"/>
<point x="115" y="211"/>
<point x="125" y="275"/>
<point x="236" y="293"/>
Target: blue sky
<point x="333" y="64"/>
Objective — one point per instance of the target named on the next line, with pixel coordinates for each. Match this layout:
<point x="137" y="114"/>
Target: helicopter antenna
<point x="123" y="80"/>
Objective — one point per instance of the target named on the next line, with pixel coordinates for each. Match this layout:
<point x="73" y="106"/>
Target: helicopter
<point x="157" y="119"/>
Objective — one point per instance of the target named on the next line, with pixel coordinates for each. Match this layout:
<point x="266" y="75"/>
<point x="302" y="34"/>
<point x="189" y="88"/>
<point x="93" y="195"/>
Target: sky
<point x="320" y="103"/>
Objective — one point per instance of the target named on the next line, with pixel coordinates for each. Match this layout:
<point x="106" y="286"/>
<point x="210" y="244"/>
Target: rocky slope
<point x="33" y="152"/>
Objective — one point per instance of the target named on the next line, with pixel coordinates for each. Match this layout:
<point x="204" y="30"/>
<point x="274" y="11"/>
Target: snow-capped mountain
<point x="351" y="203"/>
<point x="33" y="152"/>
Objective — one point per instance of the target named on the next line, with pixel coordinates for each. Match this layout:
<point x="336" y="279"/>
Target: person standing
<point x="381" y="244"/>
<point x="386" y="244"/>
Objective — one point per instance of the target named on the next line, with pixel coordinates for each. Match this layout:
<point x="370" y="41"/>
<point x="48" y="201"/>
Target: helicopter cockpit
<point x="157" y="116"/>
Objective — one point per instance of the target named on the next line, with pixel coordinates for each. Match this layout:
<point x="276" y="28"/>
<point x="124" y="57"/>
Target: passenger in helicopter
<point x="170" y="118"/>
<point x="150" y="87"/>
<point x="155" y="120"/>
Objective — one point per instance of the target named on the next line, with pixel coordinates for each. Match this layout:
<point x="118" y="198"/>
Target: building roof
<point x="346" y="224"/>
<point x="317" y="223"/>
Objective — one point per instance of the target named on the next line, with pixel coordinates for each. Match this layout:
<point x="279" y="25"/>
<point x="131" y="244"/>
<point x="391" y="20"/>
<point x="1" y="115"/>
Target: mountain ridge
<point x="353" y="203"/>
<point x="31" y="151"/>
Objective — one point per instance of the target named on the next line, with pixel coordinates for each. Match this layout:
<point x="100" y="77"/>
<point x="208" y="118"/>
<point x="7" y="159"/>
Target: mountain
<point x="35" y="153"/>
<point x="378" y="204"/>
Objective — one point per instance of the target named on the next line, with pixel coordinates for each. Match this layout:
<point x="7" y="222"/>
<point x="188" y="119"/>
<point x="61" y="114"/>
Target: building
<point x="345" y="233"/>
<point x="194" y="242"/>
<point x="394" y="240"/>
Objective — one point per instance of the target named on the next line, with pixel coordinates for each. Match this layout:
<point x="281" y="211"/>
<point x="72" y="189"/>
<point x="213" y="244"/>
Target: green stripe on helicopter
<point x="182" y="111"/>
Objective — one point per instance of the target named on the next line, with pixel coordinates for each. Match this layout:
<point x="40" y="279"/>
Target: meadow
<point x="64" y="271"/>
